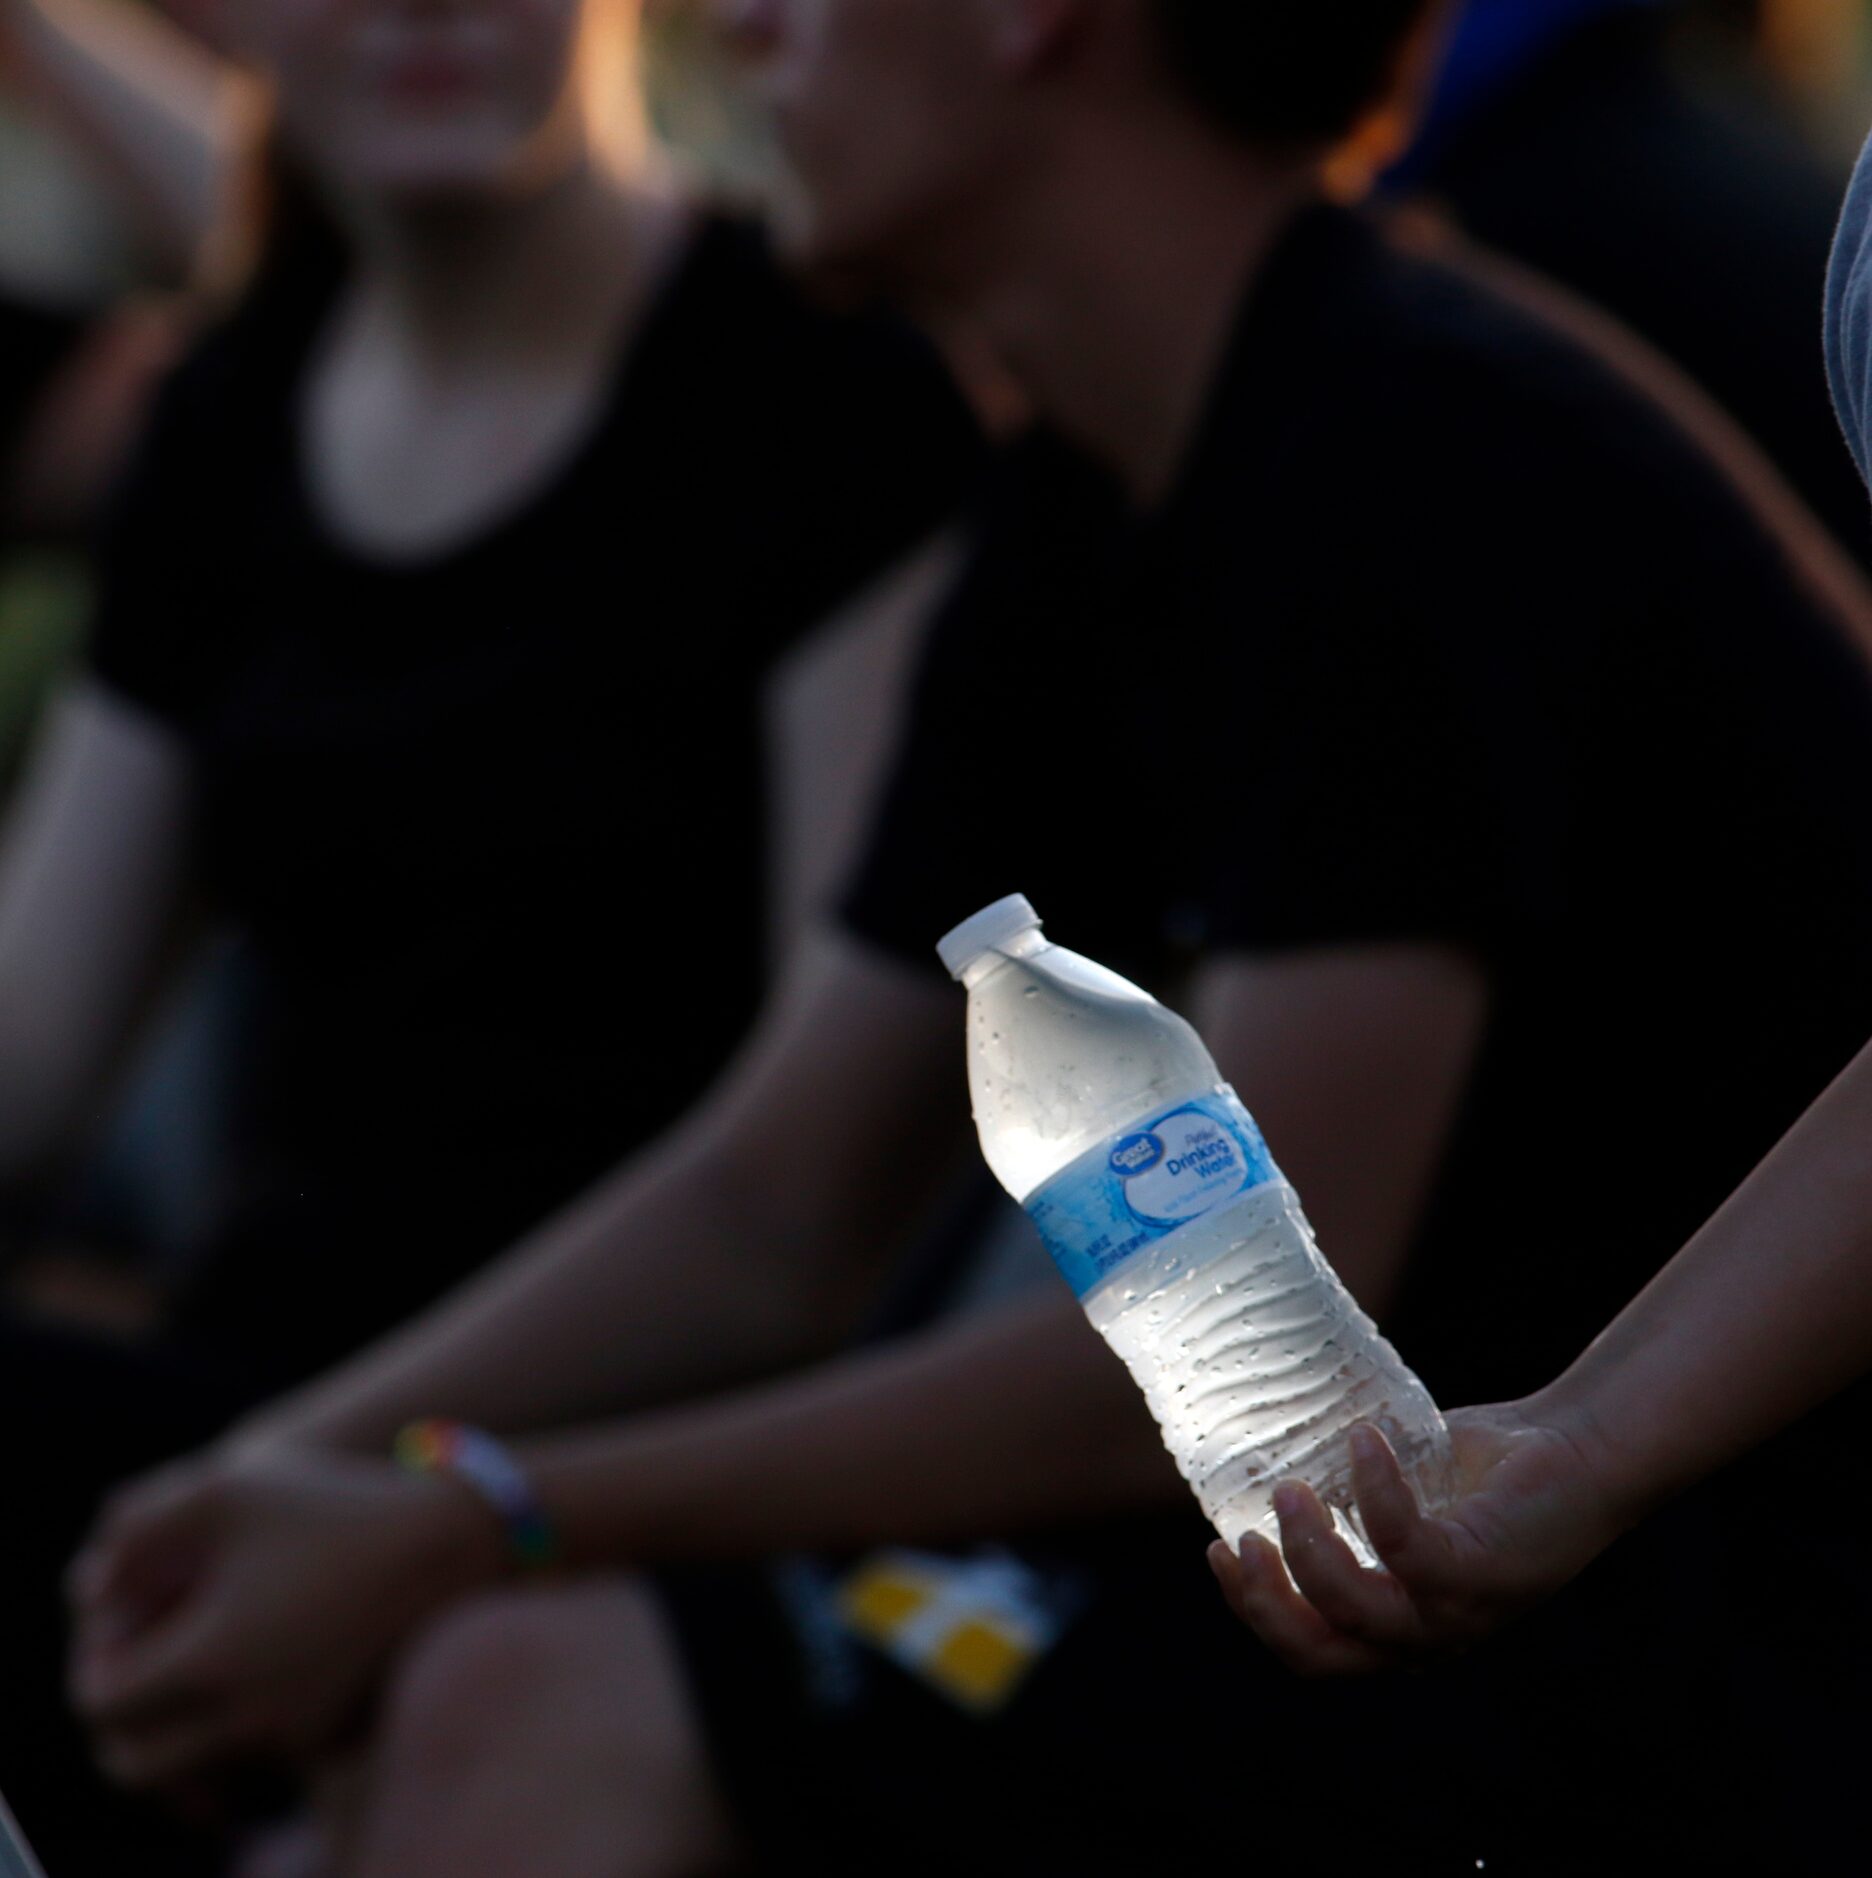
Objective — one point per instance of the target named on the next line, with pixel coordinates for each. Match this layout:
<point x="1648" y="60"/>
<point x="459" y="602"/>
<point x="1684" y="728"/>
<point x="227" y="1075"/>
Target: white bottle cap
<point x="992" y="927"/>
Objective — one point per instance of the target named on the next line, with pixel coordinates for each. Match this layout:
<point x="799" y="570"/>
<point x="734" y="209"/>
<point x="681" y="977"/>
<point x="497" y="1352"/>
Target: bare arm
<point x="1023" y="1415"/>
<point x="1765" y="1314"/>
<point x="160" y="114"/>
<point x="91" y="862"/>
<point x="1010" y="1420"/>
<point x="997" y="1421"/>
<point x="746" y="1242"/>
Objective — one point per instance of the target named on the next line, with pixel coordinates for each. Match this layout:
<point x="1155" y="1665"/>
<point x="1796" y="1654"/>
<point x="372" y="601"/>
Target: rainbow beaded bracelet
<point x="488" y="1468"/>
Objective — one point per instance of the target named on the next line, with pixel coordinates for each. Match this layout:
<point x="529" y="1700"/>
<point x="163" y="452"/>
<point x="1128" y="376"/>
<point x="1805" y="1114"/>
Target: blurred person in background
<point x="115" y="133"/>
<point x="1453" y="712"/>
<point x="438" y="612"/>
<point x="1668" y="183"/>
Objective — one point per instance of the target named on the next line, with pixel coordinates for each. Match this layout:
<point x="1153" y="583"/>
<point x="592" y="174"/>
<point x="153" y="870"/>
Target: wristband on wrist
<point x="486" y="1467"/>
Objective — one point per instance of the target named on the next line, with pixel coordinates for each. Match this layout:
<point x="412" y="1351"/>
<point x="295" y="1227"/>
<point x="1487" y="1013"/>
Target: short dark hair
<point x="1288" y="74"/>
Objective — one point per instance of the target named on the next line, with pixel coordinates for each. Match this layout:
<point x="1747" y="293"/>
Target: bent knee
<point x="544" y="1731"/>
<point x="514" y="1657"/>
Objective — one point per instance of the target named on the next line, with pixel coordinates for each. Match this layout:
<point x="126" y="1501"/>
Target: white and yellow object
<point x="973" y="1629"/>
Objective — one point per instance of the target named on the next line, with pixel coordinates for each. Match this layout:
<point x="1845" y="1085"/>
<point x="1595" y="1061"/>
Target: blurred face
<point x="892" y="118"/>
<point x="423" y="97"/>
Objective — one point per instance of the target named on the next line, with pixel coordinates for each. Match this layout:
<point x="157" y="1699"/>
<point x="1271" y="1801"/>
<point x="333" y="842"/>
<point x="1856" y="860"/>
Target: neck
<point x="1113" y="288"/>
<point x="527" y="275"/>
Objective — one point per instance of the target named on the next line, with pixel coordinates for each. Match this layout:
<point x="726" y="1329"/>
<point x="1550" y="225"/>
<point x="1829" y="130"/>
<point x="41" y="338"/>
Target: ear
<point x="1025" y="35"/>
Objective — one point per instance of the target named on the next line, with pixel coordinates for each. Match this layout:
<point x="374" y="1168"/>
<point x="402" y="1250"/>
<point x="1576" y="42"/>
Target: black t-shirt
<point x="493" y="821"/>
<point x="1448" y="635"/>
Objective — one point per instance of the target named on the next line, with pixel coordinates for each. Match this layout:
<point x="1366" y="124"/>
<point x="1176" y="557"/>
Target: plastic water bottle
<point x="1103" y="1114"/>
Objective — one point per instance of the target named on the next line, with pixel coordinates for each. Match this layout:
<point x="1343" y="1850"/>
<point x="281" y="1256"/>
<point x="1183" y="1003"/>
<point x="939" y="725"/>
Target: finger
<point x="125" y="1509"/>
<point x="104" y="1622"/>
<point x="94" y="1577"/>
<point x="128" y="1689"/>
<point x="136" y="1536"/>
<point x="1262" y="1597"/>
<point x="1259" y="1592"/>
<point x="1235" y="1572"/>
<point x="1387" y="1507"/>
<point x="1368" y="1605"/>
<point x="104" y="1630"/>
<point x="1227" y="1569"/>
<point x="182" y="1750"/>
<point x="1417" y="1552"/>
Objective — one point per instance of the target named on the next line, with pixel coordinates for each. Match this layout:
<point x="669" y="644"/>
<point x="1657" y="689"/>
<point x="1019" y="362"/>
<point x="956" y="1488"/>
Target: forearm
<point x="666" y="1280"/>
<point x="59" y="1036"/>
<point x="736" y="1247"/>
<point x="92" y="861"/>
<point x="1761" y="1318"/>
<point x="1012" y="1421"/>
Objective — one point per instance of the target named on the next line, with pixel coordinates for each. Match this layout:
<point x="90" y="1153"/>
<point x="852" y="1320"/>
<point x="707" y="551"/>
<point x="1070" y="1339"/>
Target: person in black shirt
<point x="1721" y="1350"/>
<point x="436" y="791"/>
<point x="1450" y="709"/>
<point x="437" y="615"/>
<point x="417" y="595"/>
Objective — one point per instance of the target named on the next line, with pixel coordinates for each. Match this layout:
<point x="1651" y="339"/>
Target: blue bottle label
<point x="1143" y="1185"/>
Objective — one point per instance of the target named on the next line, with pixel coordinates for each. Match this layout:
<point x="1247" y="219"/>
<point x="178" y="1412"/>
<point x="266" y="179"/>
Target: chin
<point x="415" y="169"/>
<point x="840" y="257"/>
<point x="794" y="228"/>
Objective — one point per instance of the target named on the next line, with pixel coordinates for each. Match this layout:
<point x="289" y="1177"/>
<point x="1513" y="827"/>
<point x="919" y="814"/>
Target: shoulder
<point x="1492" y="431"/>
<point x="1480" y="496"/>
<point x="225" y="398"/>
<point x="1445" y="343"/>
<point x="179" y="547"/>
<point x="1502" y="382"/>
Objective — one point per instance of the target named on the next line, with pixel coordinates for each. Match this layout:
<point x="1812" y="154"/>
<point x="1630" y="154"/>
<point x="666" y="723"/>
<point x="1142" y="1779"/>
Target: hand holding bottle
<point x="1531" y="1509"/>
<point x="1758" y="1320"/>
